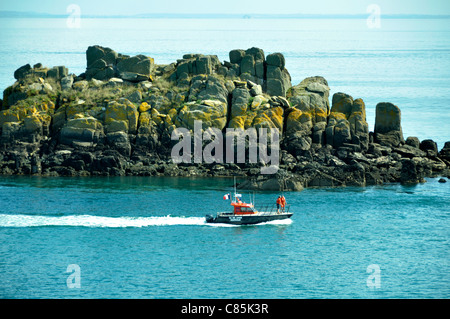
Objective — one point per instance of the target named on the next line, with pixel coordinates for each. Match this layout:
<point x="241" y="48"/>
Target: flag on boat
<point x="226" y="196"/>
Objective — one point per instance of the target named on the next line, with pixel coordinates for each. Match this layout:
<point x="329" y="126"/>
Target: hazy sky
<point x="129" y="7"/>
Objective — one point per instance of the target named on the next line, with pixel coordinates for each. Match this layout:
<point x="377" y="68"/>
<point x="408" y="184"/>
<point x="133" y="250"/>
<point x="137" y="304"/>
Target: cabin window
<point x="237" y="209"/>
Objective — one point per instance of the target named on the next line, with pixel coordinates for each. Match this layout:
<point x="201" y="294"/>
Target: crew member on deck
<point x="283" y="203"/>
<point x="279" y="203"/>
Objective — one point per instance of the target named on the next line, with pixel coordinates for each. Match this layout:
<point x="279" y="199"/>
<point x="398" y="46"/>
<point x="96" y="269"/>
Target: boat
<point x="246" y="214"/>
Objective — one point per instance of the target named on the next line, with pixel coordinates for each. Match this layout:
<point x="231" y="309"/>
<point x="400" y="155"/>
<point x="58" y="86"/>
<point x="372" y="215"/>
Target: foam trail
<point x="7" y="220"/>
<point x="95" y="221"/>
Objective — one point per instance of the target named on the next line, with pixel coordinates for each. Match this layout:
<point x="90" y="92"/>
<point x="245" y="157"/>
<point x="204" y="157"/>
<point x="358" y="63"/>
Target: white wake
<point x="7" y="220"/>
<point x="95" y="221"/>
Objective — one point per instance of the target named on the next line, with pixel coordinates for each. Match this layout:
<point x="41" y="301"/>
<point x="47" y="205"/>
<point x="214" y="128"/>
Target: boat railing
<point x="269" y="209"/>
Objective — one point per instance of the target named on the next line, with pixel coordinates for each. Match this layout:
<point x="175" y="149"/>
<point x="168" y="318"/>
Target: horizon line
<point x="32" y="14"/>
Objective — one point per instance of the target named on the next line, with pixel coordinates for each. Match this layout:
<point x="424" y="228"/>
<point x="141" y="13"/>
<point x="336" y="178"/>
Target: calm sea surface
<point x="146" y="237"/>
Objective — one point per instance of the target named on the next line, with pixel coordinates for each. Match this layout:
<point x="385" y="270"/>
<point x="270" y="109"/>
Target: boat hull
<point x="246" y="219"/>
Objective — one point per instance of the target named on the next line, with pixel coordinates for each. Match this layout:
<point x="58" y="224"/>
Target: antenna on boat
<point x="235" y="189"/>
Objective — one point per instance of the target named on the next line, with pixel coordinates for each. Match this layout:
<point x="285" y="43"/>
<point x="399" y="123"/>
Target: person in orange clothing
<point x="283" y="202"/>
<point x="279" y="204"/>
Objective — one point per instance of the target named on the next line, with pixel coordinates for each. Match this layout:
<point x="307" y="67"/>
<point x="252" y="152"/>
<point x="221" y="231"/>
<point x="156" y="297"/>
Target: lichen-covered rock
<point x="309" y="109"/>
<point x="388" y="129"/>
<point x="254" y="111"/>
<point x="83" y="130"/>
<point x="121" y="110"/>
<point x="311" y="97"/>
<point x="212" y="113"/>
<point x="135" y="69"/>
<point x="105" y="123"/>
<point x="31" y="118"/>
<point x="196" y="64"/>
<point x="239" y="106"/>
<point x="347" y="122"/>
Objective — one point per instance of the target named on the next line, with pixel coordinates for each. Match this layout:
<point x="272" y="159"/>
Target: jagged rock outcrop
<point x="278" y="79"/>
<point x="135" y="69"/>
<point x="306" y="120"/>
<point x="347" y="122"/>
<point x="118" y="117"/>
<point x="82" y="131"/>
<point x="194" y="64"/>
<point x="105" y="63"/>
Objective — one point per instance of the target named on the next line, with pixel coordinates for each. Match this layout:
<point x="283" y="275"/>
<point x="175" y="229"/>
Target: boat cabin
<point x="241" y="208"/>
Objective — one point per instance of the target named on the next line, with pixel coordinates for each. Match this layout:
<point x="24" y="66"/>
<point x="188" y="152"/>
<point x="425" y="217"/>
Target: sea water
<point x="146" y="237"/>
<point x="133" y="237"/>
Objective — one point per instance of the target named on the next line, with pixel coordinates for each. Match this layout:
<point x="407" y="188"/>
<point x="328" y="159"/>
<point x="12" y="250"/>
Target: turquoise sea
<point x="146" y="237"/>
<point x="135" y="237"/>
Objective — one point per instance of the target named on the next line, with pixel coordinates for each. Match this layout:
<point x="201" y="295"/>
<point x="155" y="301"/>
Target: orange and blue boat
<point x="246" y="214"/>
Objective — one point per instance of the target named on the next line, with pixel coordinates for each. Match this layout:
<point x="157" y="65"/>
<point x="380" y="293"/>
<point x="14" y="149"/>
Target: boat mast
<point x="235" y="199"/>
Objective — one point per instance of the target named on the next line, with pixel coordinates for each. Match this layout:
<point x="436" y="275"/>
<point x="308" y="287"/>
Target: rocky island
<point x="118" y="116"/>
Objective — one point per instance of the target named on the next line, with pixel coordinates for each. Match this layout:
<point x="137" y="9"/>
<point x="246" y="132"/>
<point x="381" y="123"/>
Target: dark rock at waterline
<point x="409" y="173"/>
<point x="429" y="146"/>
<point x="281" y="181"/>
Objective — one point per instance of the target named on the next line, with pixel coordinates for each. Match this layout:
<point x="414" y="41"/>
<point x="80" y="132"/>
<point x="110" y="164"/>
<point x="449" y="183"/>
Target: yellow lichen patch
<point x="237" y="122"/>
<point x="122" y="110"/>
<point x="248" y="119"/>
<point x="168" y="121"/>
<point x="294" y="115"/>
<point x="337" y="116"/>
<point x="172" y="113"/>
<point x="212" y="113"/>
<point x="305" y="117"/>
<point x="359" y="106"/>
<point x="271" y="118"/>
<point x="321" y="115"/>
<point x="145" y="119"/>
<point x="144" y="107"/>
<point x="45" y="119"/>
<point x="115" y="112"/>
<point x="276" y="114"/>
<point x="45" y="107"/>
